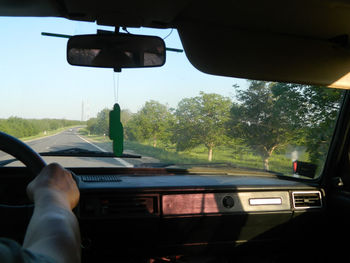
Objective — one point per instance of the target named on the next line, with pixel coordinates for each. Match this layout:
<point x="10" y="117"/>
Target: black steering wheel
<point x="22" y="152"/>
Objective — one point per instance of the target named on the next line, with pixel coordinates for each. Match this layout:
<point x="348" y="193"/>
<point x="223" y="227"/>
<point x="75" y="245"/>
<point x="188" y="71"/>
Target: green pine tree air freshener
<point x="116" y="133"/>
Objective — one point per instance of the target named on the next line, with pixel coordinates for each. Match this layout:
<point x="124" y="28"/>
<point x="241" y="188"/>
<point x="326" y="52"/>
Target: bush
<point x="19" y="127"/>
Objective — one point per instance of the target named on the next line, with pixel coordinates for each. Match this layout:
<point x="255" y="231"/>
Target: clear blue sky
<point x="37" y="82"/>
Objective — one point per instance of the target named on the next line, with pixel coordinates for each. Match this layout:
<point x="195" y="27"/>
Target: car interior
<point x="174" y="214"/>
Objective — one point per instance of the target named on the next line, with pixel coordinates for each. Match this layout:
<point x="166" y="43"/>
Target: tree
<point x="151" y="122"/>
<point x="125" y="116"/>
<point x="20" y="127"/>
<point x="272" y="115"/>
<point x="202" y="120"/>
<point x="91" y="125"/>
<point x="100" y="124"/>
<point x="103" y="122"/>
<point x="319" y="108"/>
<point x="264" y="121"/>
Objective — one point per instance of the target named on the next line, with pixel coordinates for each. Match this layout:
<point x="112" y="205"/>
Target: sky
<point x="36" y="81"/>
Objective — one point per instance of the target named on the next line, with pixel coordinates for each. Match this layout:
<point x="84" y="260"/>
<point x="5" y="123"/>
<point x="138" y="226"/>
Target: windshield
<point x="173" y="115"/>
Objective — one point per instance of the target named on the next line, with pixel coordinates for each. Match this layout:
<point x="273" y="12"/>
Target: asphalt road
<point x="71" y="139"/>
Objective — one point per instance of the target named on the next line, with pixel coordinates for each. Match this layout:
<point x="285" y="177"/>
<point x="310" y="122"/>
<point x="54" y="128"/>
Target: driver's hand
<point x="54" y="184"/>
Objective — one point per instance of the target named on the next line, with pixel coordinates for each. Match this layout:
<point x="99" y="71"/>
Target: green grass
<point x="278" y="162"/>
<point x="163" y="155"/>
<point x="102" y="141"/>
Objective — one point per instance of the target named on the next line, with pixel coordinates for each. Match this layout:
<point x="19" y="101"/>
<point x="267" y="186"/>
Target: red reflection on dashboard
<point x="183" y="204"/>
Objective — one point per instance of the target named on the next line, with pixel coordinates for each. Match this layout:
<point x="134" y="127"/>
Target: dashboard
<point x="191" y="213"/>
<point x="109" y="196"/>
<point x="157" y="212"/>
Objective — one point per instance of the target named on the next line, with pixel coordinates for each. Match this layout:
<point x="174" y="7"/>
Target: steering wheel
<point x="22" y="152"/>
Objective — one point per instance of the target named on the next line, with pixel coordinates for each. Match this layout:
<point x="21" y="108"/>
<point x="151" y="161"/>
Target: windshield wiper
<point x="153" y="165"/>
<point x="205" y="165"/>
<point x="221" y="168"/>
<point x="80" y="152"/>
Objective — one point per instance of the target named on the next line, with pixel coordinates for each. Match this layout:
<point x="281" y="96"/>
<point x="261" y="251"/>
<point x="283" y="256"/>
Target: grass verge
<point x="224" y="154"/>
<point x="278" y="162"/>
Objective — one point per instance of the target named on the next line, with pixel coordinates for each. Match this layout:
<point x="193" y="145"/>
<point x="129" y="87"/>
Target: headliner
<point x="296" y="41"/>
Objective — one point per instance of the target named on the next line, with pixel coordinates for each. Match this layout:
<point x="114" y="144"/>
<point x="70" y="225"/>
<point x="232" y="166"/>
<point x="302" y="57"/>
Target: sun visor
<point x="31" y="8"/>
<point x="266" y="56"/>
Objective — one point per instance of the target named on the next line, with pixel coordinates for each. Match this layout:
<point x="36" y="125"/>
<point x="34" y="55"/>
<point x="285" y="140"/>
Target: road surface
<point x="70" y="138"/>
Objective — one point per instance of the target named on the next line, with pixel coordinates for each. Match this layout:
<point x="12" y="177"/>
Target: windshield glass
<point x="172" y="115"/>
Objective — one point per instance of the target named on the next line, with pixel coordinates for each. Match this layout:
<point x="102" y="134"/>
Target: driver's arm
<point x="53" y="230"/>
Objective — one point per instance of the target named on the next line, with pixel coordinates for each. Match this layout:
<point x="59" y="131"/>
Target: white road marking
<point x="103" y="150"/>
<point x="123" y="162"/>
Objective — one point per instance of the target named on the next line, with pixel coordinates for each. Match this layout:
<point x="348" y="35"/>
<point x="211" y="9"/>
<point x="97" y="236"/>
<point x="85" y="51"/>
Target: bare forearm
<point x="54" y="231"/>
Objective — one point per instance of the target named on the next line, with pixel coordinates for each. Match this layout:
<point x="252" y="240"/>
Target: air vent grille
<point x="306" y="200"/>
<point x="119" y="206"/>
<point x="129" y="206"/>
<point x="100" y="178"/>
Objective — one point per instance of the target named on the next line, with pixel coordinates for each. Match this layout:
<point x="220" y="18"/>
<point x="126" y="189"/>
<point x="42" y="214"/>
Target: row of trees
<point x="273" y="115"/>
<point x="100" y="124"/>
<point x="262" y="118"/>
<point x="20" y="127"/>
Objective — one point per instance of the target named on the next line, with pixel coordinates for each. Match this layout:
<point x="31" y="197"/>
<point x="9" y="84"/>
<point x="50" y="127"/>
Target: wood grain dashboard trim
<point x="211" y="203"/>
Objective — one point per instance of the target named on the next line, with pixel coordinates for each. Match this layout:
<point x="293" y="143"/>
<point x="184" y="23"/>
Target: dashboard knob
<point x="228" y="201"/>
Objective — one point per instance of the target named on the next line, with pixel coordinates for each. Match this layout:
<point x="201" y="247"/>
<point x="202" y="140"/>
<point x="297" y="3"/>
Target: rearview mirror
<point x="116" y="51"/>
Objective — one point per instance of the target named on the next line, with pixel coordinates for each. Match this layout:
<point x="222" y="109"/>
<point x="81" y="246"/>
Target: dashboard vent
<point x="119" y="206"/>
<point x="129" y="206"/>
<point x="307" y="200"/>
<point x="100" y="178"/>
